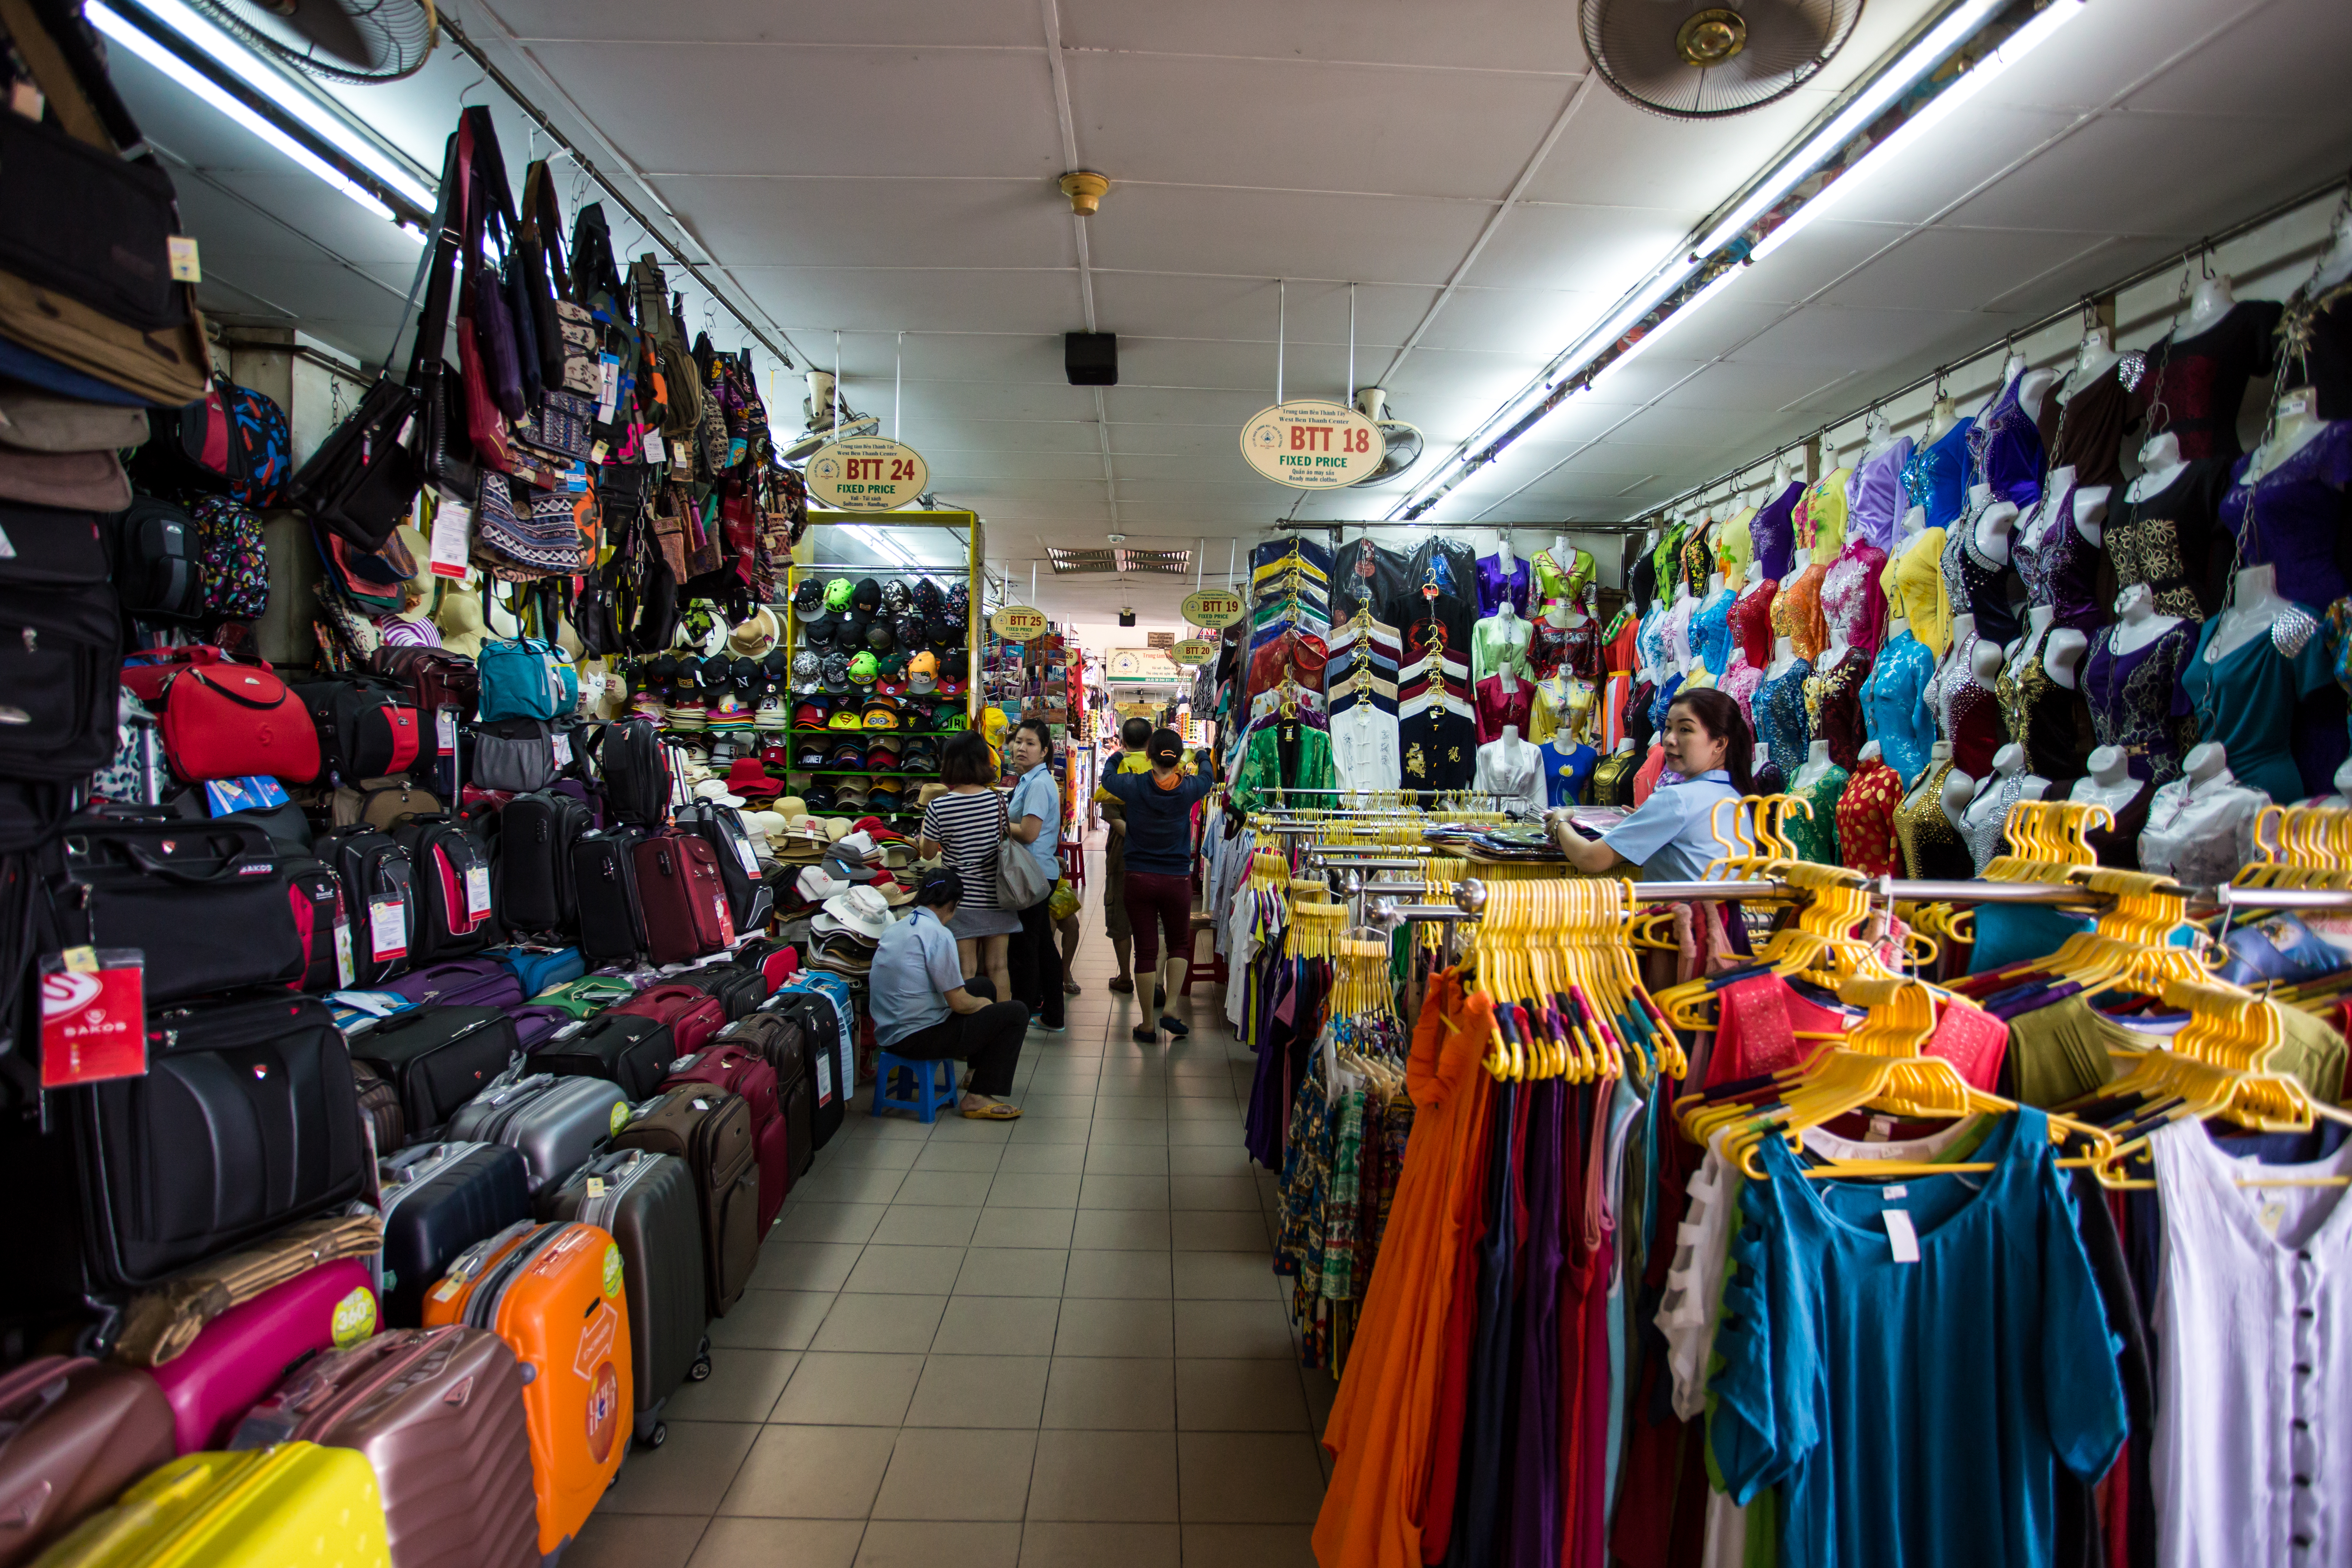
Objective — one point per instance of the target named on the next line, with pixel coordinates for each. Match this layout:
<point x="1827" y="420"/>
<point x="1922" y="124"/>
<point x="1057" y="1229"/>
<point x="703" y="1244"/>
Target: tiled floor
<point x="1052" y="1341"/>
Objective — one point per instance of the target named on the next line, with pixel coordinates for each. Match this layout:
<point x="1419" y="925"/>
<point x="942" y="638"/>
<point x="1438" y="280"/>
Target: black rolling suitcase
<point x="438" y="1058"/>
<point x="829" y="1059"/>
<point x="438" y="1200"/>
<point x="623" y="1048"/>
<point x="739" y="990"/>
<point x="604" y="883"/>
<point x="649" y="1205"/>
<point x="537" y="833"/>
<point x="784" y="1045"/>
<point x="711" y="1130"/>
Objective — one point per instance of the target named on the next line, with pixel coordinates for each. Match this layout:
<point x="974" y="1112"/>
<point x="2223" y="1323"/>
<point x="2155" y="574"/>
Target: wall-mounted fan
<point x="1695" y="60"/>
<point x="1404" y="441"/>
<point x="358" y="41"/>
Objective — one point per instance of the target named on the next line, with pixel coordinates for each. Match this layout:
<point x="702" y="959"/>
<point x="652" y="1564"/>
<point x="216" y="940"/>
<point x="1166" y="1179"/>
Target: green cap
<point x="837" y="593"/>
<point x="861" y="668"/>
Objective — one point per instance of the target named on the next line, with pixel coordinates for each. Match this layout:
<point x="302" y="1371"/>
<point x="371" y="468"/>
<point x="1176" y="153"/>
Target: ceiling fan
<point x="1693" y="60"/>
<point x="357" y="41"/>
<point x="1404" y="441"/>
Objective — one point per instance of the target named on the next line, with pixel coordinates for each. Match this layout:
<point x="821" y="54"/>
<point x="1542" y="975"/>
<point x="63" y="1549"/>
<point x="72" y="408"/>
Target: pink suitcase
<point x="245" y="1353"/>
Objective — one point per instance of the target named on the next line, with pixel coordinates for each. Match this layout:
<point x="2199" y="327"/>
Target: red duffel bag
<point x="227" y="720"/>
<point x="149" y="670"/>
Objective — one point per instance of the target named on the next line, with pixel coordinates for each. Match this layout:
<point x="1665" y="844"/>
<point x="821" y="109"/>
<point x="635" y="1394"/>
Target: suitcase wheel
<point x="699" y="1371"/>
<point x="657" y="1436"/>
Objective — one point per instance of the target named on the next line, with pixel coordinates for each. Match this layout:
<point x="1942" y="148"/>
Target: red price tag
<point x="93" y="1017"/>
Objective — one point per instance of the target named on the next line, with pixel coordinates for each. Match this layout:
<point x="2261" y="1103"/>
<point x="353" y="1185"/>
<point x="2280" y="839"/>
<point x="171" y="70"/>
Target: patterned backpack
<point x="235" y="569"/>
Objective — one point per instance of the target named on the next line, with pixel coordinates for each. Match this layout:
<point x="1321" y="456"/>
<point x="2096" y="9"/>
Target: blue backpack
<point x="521" y="679"/>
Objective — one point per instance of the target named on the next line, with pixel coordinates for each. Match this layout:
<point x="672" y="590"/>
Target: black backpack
<point x="457" y="901"/>
<point x="159" y="560"/>
<point x="368" y="728"/>
<point x="637" y="772"/>
<point x="381" y="895"/>
<point x="536" y="834"/>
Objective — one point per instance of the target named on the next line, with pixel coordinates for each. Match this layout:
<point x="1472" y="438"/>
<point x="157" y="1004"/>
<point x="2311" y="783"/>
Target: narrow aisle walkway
<point x="1054" y="1342"/>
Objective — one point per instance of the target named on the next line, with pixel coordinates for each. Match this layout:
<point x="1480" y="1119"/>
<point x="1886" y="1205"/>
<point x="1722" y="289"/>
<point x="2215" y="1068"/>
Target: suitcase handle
<point x="147" y="861"/>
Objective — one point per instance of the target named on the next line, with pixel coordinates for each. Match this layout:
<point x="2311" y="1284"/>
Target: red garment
<point x="1496" y="708"/>
<point x="1751" y="624"/>
<point x="1293" y="655"/>
<point x="1866" y="821"/>
<point x="1757" y="1022"/>
<point x="1646" y="780"/>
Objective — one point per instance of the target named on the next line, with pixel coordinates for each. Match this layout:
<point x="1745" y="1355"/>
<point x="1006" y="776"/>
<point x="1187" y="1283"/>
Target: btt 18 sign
<point x="1194" y="651"/>
<point x="1214" y="609"/>
<point x="866" y="473"/>
<point x="1309" y="443"/>
<point x="1018" y="623"/>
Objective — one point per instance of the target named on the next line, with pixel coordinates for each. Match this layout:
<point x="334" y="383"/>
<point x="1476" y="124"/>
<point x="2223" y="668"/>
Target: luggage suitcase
<point x="227" y="720"/>
<point x="378" y="897"/>
<point x="744" y="1072"/>
<point x="457" y="888"/>
<point x="604" y="882"/>
<point x="693" y="1016"/>
<point x="588" y="995"/>
<point x="534" y="1026"/>
<point x="648" y="1204"/>
<point x="438" y="1058"/>
<point x="739" y="990"/>
<point x="750" y="900"/>
<point x="543" y="969"/>
<point x="78" y="1433"/>
<point x="635" y="770"/>
<point x="460" y="982"/>
<point x="832" y="1047"/>
<point x="685" y="906"/>
<point x="626" y="1049"/>
<point x="556" y="1294"/>
<point x="241" y="1354"/>
<point x="438" y="1415"/>
<point x="777" y="962"/>
<point x="436" y="678"/>
<point x="322" y="921"/>
<point x="711" y="1132"/>
<point x="246" y="1121"/>
<point x="438" y="1200"/>
<point x="298" y="1502"/>
<point x="785" y="1046"/>
<point x="159" y="1325"/>
<point x="380" y="1109"/>
<point x="556" y="1123"/>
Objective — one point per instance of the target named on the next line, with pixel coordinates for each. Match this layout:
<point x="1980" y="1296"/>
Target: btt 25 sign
<point x="1309" y="443"/>
<point x="866" y="473"/>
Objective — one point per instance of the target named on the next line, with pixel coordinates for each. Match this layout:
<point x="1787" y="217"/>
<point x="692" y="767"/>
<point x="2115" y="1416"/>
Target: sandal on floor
<point x="1142" y="1036"/>
<point x="1120" y="983"/>
<point x="1176" y="1027"/>
<point x="1070" y="988"/>
<point x="995" y="1111"/>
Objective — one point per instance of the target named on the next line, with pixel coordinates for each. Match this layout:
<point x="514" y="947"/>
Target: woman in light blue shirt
<point x="924" y="1008"/>
<point x="1036" y="820"/>
<point x="1670" y="836"/>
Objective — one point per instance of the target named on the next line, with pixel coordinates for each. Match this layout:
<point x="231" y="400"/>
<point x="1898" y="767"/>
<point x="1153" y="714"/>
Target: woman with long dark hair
<point x="1670" y="838"/>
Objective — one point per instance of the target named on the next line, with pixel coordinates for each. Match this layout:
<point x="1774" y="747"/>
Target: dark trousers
<point x="989" y="1039"/>
<point x="1036" y="957"/>
<point x="1158" y="906"/>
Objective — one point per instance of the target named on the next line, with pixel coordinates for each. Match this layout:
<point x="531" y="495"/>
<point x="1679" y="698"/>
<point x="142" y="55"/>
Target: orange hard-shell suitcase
<point x="555" y="1293"/>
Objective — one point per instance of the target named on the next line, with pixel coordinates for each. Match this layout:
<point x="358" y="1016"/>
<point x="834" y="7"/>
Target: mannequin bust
<point x="1953" y="671"/>
<point x="1623" y="748"/>
<point x="2255" y="604"/>
<point x="2343" y="780"/>
<point x="2090" y="509"/>
<point x="1715" y="585"/>
<point x="2297" y="425"/>
<point x="2109" y="782"/>
<point x="2205" y="765"/>
<point x="2010" y="369"/>
<point x="463" y="628"/>
<point x="2031" y="388"/>
<point x="1993" y="529"/>
<point x="1504" y="560"/>
<point x="1784" y="655"/>
<point x="1914" y="522"/>
<point x="1512" y="644"/>
<point x="1959" y="790"/>
<point x="1937" y="756"/>
<point x="2161" y="463"/>
<point x="1897" y="627"/>
<point x="2336" y="265"/>
<point x="1838" y="651"/>
<point x="1868" y="753"/>
<point x="1754" y="582"/>
<point x="1817" y="763"/>
<point x="2137" y="622"/>
<point x="2210" y="303"/>
<point x="1987" y="662"/>
<point x="2061" y="648"/>
<point x="1877" y="432"/>
<point x="2094" y="360"/>
<point x="2008" y="763"/>
<point x="1941" y="419"/>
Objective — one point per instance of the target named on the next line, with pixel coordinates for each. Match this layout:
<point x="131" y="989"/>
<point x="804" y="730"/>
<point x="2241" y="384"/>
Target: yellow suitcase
<point x="297" y="1503"/>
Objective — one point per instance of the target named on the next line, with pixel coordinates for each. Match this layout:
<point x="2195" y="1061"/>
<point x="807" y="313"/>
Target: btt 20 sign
<point x="1309" y="443"/>
<point x="866" y="473"/>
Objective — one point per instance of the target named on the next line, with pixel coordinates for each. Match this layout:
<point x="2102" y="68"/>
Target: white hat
<point x="814" y="883"/>
<point x="716" y="791"/>
<point x="860" y="910"/>
<point x="861" y="844"/>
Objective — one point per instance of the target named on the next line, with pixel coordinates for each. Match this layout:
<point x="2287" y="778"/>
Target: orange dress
<point x="1385" y="1424"/>
<point x="1796" y="612"/>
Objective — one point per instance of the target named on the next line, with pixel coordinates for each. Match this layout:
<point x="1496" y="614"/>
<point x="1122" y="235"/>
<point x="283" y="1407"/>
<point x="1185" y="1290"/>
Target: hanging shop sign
<point x="866" y="473"/>
<point x="1194" y="651"/>
<point x="1018" y="623"/>
<point x="1214" y="609"/>
<point x="1310" y="443"/>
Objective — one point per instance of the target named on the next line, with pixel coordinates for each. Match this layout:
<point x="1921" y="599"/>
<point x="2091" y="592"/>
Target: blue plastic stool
<point x="928" y="1095"/>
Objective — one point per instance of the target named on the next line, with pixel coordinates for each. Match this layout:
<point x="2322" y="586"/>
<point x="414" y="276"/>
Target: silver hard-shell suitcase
<point x="556" y="1123"/>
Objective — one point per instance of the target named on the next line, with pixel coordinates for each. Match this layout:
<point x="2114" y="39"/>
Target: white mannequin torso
<point x="2254" y="606"/>
<point x="2210" y="303"/>
<point x="2160" y="463"/>
<point x="2138" y="623"/>
<point x="2095" y="358"/>
<point x="1816" y="765"/>
<point x="1992" y="532"/>
<point x="2298" y="425"/>
<point x="2108" y="784"/>
<point x="1784" y="654"/>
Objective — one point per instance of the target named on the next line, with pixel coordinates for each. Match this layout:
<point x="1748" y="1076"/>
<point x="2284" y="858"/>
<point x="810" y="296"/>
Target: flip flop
<point x="995" y="1111"/>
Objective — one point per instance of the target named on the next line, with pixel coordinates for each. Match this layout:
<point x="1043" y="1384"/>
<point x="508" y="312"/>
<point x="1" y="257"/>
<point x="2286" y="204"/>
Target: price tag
<point x="93" y="1016"/>
<point x="1893" y="1193"/>
<point x="656" y="452"/>
<point x="608" y="386"/>
<point x="478" y="892"/>
<point x="596" y="1187"/>
<point x="575" y="478"/>
<point x="187" y="263"/>
<point x="453" y="538"/>
<point x="444" y="730"/>
<point x="387" y="927"/>
<point x="344" y="968"/>
<point x="744" y="852"/>
<point x="1900" y="1236"/>
<point x="824" y="1077"/>
<point x="563" y="747"/>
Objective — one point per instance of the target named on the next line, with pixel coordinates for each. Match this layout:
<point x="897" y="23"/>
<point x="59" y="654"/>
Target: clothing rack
<point x="1470" y="895"/>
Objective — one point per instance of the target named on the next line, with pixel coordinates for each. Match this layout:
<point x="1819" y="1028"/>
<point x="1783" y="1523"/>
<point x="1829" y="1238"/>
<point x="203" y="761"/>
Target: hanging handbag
<point x="541" y="266"/>
<point x="1021" y="882"/>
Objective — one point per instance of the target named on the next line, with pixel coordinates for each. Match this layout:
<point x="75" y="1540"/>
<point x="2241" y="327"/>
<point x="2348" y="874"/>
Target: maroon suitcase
<point x="73" y="1433"/>
<point x="741" y="1071"/>
<point x="684" y="900"/>
<point x="693" y="1016"/>
<point x="438" y="1412"/>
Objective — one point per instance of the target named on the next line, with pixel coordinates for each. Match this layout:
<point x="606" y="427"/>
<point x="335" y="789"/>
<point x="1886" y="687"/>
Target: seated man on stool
<point x="925" y="1010"/>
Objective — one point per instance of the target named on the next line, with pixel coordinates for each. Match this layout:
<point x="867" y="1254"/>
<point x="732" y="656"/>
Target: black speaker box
<point x="1091" y="358"/>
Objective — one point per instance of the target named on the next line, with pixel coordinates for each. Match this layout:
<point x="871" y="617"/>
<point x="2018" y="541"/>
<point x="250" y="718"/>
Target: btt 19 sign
<point x="866" y="473"/>
<point x="1214" y="609"/>
<point x="1309" y="443"/>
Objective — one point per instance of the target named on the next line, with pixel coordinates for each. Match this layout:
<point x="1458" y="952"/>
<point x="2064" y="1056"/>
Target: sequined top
<point x="1932" y="846"/>
<point x="2167" y="542"/>
<point x="1816" y="840"/>
<point x="1914" y="585"/>
<point x="2136" y="700"/>
<point x="1937" y="476"/>
<point x="1751" y="622"/>
<point x="1820" y="516"/>
<point x="1797" y="612"/>
<point x="1710" y="632"/>
<point x="1987" y="815"/>
<point x="1740" y="683"/>
<point x="1894" y="704"/>
<point x="1877" y="497"/>
<point x="2063" y="569"/>
<point x="1967" y="711"/>
<point x="2294" y="517"/>
<point x="2039" y="715"/>
<point x="1677" y="629"/>
<point x="1972" y="584"/>
<point x="1833" y="706"/>
<point x="1735" y="546"/>
<point x="1782" y="721"/>
<point x="2005" y="450"/>
<point x="1853" y="605"/>
<point x="2085" y="432"/>
<point x="2247" y="699"/>
<point x="1650" y="642"/>
<point x="1553" y="582"/>
<point x="1613" y="778"/>
<point x="1698" y="555"/>
<point x="1866" y="821"/>
<point x="1772" y="533"/>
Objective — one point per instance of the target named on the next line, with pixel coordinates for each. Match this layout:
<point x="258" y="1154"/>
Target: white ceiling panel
<point x="863" y="221"/>
<point x="930" y="24"/>
<point x="913" y="300"/>
<point x="1504" y="37"/>
<point x="1279" y="234"/>
<point x="1190" y="364"/>
<point x="950" y="434"/>
<point x="1613" y="154"/>
<point x="1226" y="409"/>
<point x="1605" y="249"/>
<point x="1819" y="334"/>
<point x="1183" y="305"/>
<point x="2274" y="59"/>
<point x="1477" y="317"/>
<point x="1926" y="177"/>
<point x="991" y="464"/>
<point x="944" y="402"/>
<point x="1966" y="268"/>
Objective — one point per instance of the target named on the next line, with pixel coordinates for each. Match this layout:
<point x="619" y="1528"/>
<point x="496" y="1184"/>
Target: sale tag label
<point x="387" y="926"/>
<point x="656" y="452"/>
<point x="94" y="1019"/>
<point x="444" y="730"/>
<point x="867" y="473"/>
<point x="478" y="891"/>
<point x="563" y="748"/>
<point x="453" y="538"/>
<point x="608" y="386"/>
<point x="1018" y="623"/>
<point x="344" y="968"/>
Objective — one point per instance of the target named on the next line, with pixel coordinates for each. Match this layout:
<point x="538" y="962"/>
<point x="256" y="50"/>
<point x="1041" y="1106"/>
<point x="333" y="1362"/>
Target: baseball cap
<point x="847" y="718"/>
<point x="927" y="597"/>
<point x="808" y="599"/>
<point x="811" y="715"/>
<point x="819" y="633"/>
<point x="894" y="597"/>
<point x="836" y="673"/>
<point x="866" y="597"/>
<point x="819" y="797"/>
<point x="807" y="754"/>
<point x="950" y="721"/>
<point x="838" y="593"/>
<point x="843" y="753"/>
<point x="923" y="671"/>
<point x="882" y="713"/>
<point x="861" y="668"/>
<point x="879" y="636"/>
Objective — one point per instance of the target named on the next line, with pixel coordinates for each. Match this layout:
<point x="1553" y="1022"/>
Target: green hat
<point x="837" y="593"/>
<point x="861" y="668"/>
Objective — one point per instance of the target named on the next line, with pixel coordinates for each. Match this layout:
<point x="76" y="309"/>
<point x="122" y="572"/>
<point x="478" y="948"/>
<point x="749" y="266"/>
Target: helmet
<point x="837" y="594"/>
<point x="861" y="668"/>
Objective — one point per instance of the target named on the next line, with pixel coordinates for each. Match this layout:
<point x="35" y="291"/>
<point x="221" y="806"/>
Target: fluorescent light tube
<point x="1922" y="57"/>
<point x="273" y="84"/>
<point x="197" y="82"/>
<point x="1682" y="312"/>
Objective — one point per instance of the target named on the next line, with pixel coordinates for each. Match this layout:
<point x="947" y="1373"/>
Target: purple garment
<point x="2063" y="571"/>
<point x="2294" y="516"/>
<point x="1533" y="1533"/>
<point x="1874" y="497"/>
<point x="2005" y="451"/>
<point x="1493" y="587"/>
<point x="1772" y="534"/>
<point x="2135" y="700"/>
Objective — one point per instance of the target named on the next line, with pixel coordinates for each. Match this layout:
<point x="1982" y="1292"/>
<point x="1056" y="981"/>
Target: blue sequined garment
<point x="1780" y="721"/>
<point x="1895" y="705"/>
<point x="1710" y="632"/>
<point x="1937" y="476"/>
